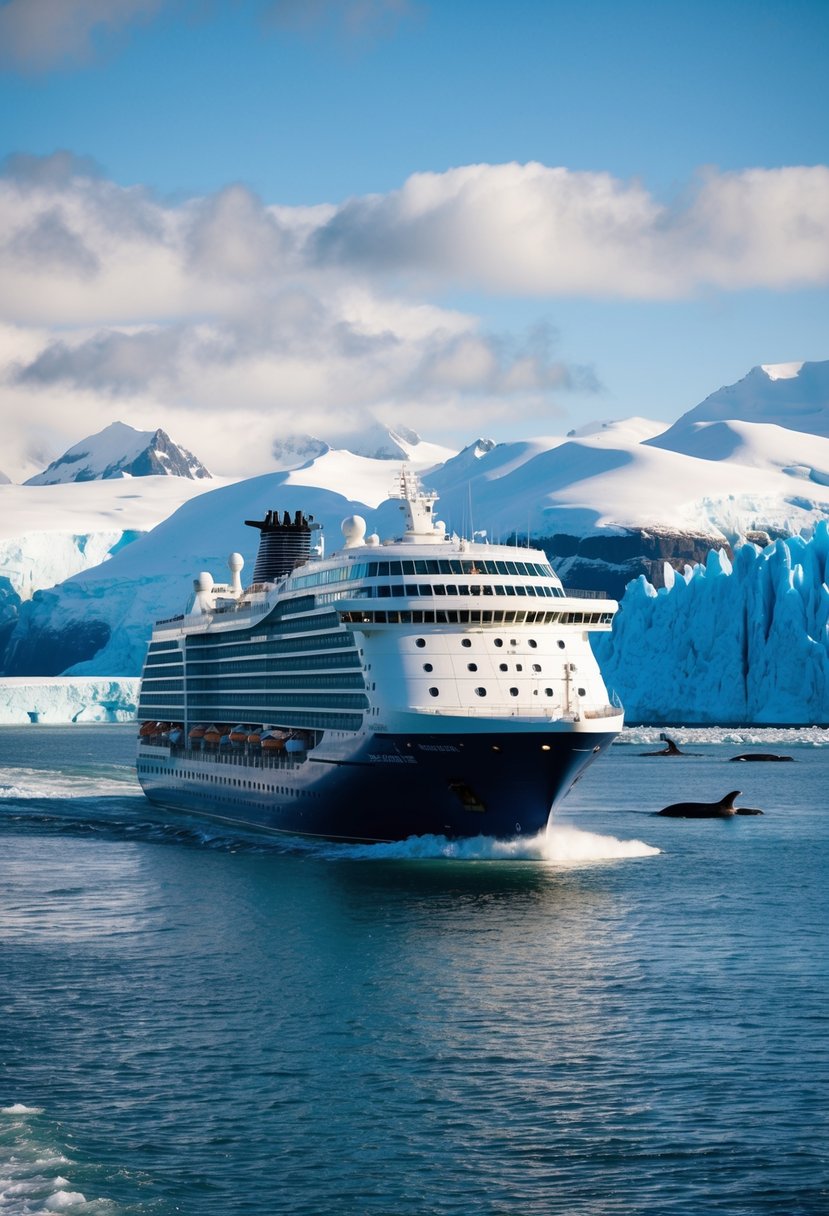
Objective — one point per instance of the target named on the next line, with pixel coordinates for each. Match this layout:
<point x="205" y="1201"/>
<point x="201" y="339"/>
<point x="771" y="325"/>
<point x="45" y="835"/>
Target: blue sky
<point x="658" y="112"/>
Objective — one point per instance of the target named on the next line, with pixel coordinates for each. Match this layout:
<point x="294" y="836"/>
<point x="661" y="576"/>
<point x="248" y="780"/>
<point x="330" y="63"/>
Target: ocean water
<point x="626" y="1016"/>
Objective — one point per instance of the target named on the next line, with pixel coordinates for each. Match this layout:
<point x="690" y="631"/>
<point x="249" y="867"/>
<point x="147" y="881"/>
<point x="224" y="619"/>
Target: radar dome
<point x="235" y="562"/>
<point x="354" y="530"/>
<point x="205" y="581"/>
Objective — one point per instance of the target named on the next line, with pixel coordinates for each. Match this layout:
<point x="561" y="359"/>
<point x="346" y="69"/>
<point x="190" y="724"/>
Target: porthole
<point x="513" y="641"/>
<point x="503" y="667"/>
<point x="531" y="642"/>
<point x="536" y="667"/>
<point x="433" y="692"/>
<point x="420" y="642"/>
<point x="513" y="692"/>
<point x="498" y="641"/>
<point x="465" y="642"/>
<point x="480" y="692"/>
<point x="472" y="666"/>
<point x="548" y="692"/>
<point x="519" y="666"/>
<point x="427" y="666"/>
<point x="560" y="644"/>
<point x="582" y="692"/>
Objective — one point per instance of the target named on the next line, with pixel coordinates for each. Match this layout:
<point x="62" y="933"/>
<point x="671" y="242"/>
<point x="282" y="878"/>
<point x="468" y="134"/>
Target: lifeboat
<point x="295" y="744"/>
<point x="176" y="735"/>
<point x="239" y="735"/>
<point x="255" y="739"/>
<point x="197" y="734"/>
<point x="273" y="741"/>
<point x="146" y="730"/>
<point x="213" y="736"/>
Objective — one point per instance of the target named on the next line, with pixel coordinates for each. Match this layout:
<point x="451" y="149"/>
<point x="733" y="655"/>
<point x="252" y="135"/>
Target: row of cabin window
<point x="473" y="616"/>
<point x="390" y="568"/>
<point x="429" y="590"/>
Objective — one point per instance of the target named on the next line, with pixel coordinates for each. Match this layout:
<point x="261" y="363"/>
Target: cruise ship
<point x="428" y="684"/>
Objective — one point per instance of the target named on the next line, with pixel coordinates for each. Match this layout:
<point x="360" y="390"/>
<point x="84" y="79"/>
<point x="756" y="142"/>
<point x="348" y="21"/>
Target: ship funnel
<point x="282" y="544"/>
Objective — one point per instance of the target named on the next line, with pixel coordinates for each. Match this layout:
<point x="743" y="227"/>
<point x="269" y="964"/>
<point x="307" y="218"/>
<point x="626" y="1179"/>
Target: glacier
<point x="67" y="699"/>
<point x="727" y="642"/>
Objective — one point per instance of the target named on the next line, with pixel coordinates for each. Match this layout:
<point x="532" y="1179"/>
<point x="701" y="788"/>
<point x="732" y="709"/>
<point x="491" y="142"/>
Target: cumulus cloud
<point x="44" y="33"/>
<point x="530" y="229"/>
<point x="136" y="305"/>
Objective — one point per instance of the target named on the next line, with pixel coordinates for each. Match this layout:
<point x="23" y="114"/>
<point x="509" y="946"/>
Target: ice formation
<point x="64" y="699"/>
<point x="727" y="644"/>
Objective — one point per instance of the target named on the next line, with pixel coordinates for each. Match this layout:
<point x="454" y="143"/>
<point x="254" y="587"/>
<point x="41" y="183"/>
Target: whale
<point x="761" y="756"/>
<point x="670" y="749"/>
<point x="723" y="809"/>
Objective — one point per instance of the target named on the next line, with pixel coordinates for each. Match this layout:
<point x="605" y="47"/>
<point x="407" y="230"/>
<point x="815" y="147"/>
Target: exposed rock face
<point x="608" y="561"/>
<point x="121" y="451"/>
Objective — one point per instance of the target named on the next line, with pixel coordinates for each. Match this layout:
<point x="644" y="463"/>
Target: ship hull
<point x="390" y="787"/>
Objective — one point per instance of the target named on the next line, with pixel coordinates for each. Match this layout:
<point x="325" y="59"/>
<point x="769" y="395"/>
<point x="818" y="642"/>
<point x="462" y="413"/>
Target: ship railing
<point x="277" y="759"/>
<point x="580" y="593"/>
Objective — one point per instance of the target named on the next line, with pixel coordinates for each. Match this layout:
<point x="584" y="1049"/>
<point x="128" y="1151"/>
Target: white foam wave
<point x="790" y="736"/>
<point x="60" y="1201"/>
<point x="23" y="783"/>
<point x="556" y="844"/>
<point x="18" y="1108"/>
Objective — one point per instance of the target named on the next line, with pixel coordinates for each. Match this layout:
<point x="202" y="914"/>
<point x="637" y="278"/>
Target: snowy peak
<point x="790" y="395"/>
<point x="375" y="442"/>
<point x="121" y="451"/>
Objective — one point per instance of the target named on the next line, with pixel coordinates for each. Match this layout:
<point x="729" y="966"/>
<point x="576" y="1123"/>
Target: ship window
<point x="451" y="589"/>
<point x="420" y="642"/>
<point x="560" y="644"/>
<point x="503" y="667"/>
<point x="582" y="692"/>
<point x="519" y="667"/>
<point x="548" y="692"/>
<point x="510" y="590"/>
<point x="433" y="692"/>
<point x="498" y="641"/>
<point x="432" y="568"/>
<point x="465" y="642"/>
<point x="472" y="666"/>
<point x="408" y="567"/>
<point x="536" y="667"/>
<point x="513" y="692"/>
<point x="480" y="692"/>
<point x="411" y="588"/>
<point x="395" y="568"/>
<point x="427" y="667"/>
<point x="439" y="589"/>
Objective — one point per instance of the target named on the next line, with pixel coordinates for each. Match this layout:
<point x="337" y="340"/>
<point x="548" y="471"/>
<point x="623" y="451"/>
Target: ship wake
<point x="557" y="844"/>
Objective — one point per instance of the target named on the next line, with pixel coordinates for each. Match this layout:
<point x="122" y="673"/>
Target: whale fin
<point x="727" y="803"/>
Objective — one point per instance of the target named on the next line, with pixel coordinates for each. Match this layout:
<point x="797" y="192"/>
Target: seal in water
<point x="723" y="809"/>
<point x="761" y="756"/>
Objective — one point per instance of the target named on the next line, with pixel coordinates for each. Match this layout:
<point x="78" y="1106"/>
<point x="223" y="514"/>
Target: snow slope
<point x="742" y="644"/>
<point x="49" y="533"/>
<point x="121" y="451"/>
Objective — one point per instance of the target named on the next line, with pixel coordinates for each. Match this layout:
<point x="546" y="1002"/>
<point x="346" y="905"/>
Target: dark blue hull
<point x="390" y="788"/>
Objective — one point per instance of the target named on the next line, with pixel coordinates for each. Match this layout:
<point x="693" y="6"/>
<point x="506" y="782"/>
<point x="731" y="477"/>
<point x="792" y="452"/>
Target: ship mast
<point x="417" y="505"/>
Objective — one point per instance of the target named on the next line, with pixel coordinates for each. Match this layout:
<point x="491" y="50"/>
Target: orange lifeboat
<point x="273" y="742"/>
<point x="149" y="728"/>
<point x="197" y="734"/>
<point x="255" y="739"/>
<point x="213" y="736"/>
<point x="239" y="734"/>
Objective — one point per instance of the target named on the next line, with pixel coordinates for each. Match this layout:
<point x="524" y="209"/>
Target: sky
<point x="245" y="219"/>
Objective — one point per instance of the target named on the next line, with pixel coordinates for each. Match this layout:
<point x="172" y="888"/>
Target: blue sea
<point x="628" y="1015"/>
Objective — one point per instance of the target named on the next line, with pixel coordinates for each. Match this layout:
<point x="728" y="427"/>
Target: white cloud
<point x="121" y="304"/>
<point x="44" y="33"/>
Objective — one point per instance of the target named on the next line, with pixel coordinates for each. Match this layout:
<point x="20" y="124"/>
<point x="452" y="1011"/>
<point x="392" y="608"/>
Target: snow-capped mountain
<point x="375" y="442"/>
<point x="121" y="451"/>
<point x="790" y="395"/>
<point x="609" y="502"/>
